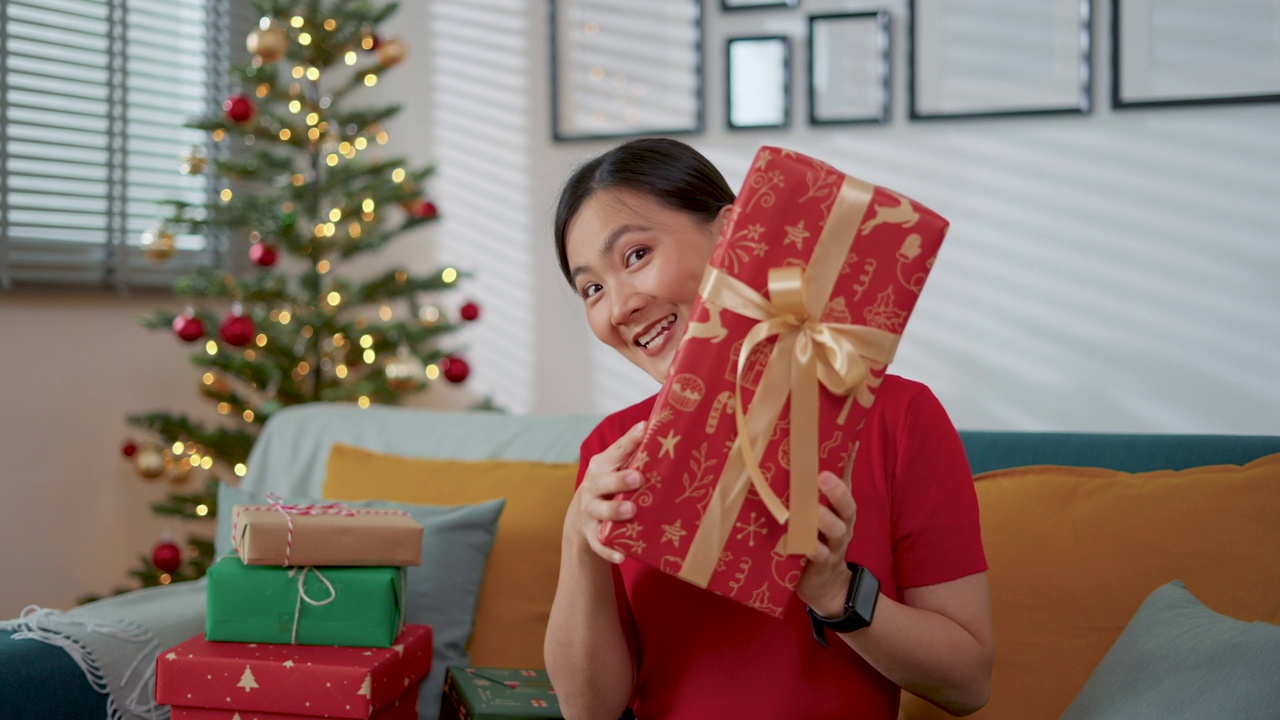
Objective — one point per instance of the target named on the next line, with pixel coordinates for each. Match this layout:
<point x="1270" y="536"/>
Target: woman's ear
<point x="722" y="218"/>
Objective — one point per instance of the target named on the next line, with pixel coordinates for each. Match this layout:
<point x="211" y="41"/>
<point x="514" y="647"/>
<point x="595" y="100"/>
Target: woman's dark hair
<point x="668" y="171"/>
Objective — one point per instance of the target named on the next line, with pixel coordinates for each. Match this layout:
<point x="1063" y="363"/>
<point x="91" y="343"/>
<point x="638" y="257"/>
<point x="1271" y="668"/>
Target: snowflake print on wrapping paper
<point x="796" y="235"/>
<point x="760" y="601"/>
<point x="884" y="315"/>
<point x="740" y="577"/>
<point x="749" y="529"/>
<point x="762" y="159"/>
<point x="697" y="482"/>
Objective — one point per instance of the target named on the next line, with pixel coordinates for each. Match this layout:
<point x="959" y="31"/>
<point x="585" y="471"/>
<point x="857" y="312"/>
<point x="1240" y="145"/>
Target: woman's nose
<point x="627" y="301"/>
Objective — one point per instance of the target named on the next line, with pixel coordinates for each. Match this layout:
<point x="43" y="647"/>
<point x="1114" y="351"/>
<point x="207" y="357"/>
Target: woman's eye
<point x="636" y="256"/>
<point x="590" y="289"/>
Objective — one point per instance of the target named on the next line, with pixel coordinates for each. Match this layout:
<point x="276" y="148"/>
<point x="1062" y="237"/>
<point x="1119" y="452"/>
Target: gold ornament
<point x="180" y="471"/>
<point x="194" y="162"/>
<point x="404" y="372"/>
<point x="149" y="462"/>
<point x="159" y="244"/>
<point x="268" y="43"/>
<point x="391" y="52"/>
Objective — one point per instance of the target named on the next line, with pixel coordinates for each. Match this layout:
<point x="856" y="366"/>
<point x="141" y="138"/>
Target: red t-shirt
<point x="699" y="655"/>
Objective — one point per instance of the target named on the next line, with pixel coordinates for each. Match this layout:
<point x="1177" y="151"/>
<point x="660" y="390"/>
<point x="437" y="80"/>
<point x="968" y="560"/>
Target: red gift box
<point x="404" y="707"/>
<point x="306" y="680"/>
<point x="799" y="313"/>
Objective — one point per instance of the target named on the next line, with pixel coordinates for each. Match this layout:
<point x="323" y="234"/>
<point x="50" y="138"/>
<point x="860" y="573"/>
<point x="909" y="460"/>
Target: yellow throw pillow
<point x="1073" y="552"/>
<point x="520" y="579"/>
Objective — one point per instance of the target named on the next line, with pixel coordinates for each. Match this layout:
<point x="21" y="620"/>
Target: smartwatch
<point x="859" y="606"/>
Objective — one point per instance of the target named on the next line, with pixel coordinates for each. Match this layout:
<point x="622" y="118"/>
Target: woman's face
<point x="637" y="264"/>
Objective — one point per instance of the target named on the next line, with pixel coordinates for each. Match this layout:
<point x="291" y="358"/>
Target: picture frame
<point x="735" y="5"/>
<point x="1033" y="58"/>
<point x="623" y="70"/>
<point x="849" y="68"/>
<point x="758" y="82"/>
<point x="1171" y="54"/>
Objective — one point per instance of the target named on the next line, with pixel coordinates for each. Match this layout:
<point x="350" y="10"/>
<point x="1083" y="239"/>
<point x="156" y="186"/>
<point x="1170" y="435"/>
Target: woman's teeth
<point x="653" y="332"/>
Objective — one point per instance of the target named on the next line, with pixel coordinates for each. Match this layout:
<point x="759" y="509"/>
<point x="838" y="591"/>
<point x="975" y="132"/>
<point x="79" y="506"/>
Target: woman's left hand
<point x="824" y="584"/>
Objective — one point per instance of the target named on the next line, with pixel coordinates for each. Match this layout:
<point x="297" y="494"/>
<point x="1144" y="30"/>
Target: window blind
<point x="95" y="97"/>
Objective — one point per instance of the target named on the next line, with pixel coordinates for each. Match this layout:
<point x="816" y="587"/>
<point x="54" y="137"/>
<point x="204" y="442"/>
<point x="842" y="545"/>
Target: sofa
<point x="1079" y="530"/>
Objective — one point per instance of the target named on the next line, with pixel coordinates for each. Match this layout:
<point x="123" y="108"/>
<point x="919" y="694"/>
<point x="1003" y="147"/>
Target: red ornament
<point x="237" y="329"/>
<point x="238" y="108"/>
<point x="129" y="449"/>
<point x="374" y="41"/>
<point x="262" y="254"/>
<point x="470" y="311"/>
<point x="455" y="369"/>
<point x="425" y="210"/>
<point x="167" y="557"/>
<point x="188" y="327"/>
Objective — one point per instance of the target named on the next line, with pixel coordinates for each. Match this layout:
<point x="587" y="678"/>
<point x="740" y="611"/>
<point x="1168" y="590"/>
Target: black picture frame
<point x="881" y="22"/>
<point x="785" y="81"/>
<point x="731" y="6"/>
<point x="1081" y="102"/>
<point x="567" y="128"/>
<point x="1121" y="44"/>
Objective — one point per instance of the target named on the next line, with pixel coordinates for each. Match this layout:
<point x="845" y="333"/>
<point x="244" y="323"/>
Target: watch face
<point x="866" y="591"/>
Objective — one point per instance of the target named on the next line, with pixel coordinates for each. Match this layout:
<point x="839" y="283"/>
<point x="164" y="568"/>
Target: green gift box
<point x="348" y="606"/>
<point x="497" y="694"/>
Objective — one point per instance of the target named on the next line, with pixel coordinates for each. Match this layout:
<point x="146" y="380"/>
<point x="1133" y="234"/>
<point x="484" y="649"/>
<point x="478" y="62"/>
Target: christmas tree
<point x="294" y="156"/>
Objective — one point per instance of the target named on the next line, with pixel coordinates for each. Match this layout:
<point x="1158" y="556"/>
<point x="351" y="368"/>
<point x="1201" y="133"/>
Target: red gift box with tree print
<point x="307" y="680"/>
<point x="799" y="313"/>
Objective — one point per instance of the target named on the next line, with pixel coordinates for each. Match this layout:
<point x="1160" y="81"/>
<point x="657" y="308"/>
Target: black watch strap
<point x="859" y="606"/>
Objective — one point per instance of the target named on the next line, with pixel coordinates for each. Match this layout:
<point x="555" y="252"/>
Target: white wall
<point x="1110" y="272"/>
<point x="74" y="515"/>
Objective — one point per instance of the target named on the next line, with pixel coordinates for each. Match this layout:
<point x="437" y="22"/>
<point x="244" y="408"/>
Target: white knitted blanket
<point x="115" y="641"/>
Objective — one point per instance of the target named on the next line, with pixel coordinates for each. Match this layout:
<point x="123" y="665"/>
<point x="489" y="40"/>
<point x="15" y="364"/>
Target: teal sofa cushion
<point x="1179" y="660"/>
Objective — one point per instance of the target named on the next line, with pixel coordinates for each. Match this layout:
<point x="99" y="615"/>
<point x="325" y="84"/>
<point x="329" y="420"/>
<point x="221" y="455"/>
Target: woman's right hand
<point x="594" y="502"/>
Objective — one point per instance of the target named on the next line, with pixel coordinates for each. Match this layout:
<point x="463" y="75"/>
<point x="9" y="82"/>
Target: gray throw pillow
<point x="1177" y="659"/>
<point x="441" y="592"/>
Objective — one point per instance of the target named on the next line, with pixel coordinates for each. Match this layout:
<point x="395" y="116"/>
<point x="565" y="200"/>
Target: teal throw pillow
<point x="441" y="592"/>
<point x="1177" y="659"/>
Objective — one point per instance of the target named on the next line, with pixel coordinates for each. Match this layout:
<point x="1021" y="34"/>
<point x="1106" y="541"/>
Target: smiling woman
<point x="635" y="230"/>
<point x="636" y="264"/>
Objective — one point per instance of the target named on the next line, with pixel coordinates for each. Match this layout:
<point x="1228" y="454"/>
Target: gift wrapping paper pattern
<point x="339" y="682"/>
<point x="329" y="534"/>
<point x="817" y="255"/>
<point x="498" y="694"/>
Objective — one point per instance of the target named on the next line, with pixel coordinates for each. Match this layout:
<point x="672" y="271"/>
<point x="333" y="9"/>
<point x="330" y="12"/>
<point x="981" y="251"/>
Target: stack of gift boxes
<point x="304" y="620"/>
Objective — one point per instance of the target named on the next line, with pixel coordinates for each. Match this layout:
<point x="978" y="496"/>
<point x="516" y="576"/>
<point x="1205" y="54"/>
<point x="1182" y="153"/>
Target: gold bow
<point x="807" y="352"/>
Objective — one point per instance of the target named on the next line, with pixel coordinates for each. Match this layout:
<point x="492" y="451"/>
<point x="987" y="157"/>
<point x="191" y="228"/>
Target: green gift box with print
<point x="497" y="694"/>
<point x="347" y="606"/>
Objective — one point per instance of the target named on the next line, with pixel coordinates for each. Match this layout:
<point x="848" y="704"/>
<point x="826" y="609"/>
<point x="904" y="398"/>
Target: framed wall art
<point x="998" y="57"/>
<point x="1184" y="52"/>
<point x="625" y="69"/>
<point x="849" y="68"/>
<point x="758" y="71"/>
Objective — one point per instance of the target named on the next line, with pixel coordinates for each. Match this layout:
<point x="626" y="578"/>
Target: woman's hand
<point x="594" y="503"/>
<point x="824" y="584"/>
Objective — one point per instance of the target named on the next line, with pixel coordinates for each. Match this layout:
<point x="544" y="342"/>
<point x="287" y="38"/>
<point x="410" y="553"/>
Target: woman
<point x="634" y="229"/>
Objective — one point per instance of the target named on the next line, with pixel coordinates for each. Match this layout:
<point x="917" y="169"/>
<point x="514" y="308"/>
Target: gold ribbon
<point x="807" y="352"/>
